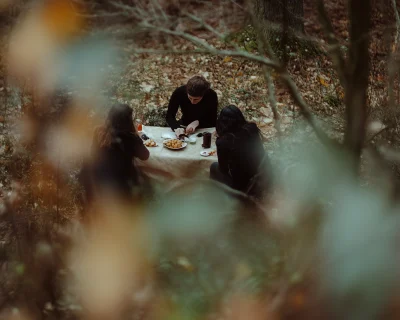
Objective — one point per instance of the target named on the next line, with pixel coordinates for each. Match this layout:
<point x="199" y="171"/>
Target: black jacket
<point x="205" y="111"/>
<point x="240" y="156"/>
<point x="113" y="166"/>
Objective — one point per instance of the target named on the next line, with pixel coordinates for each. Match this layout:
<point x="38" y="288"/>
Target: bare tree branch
<point x="272" y="102"/>
<point x="305" y="110"/>
<point x="396" y="14"/>
<point x="334" y="50"/>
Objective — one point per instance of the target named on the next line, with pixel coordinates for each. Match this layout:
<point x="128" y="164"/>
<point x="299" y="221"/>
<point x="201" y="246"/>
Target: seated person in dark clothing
<point x="242" y="162"/>
<point x="198" y="104"/>
<point x="115" y="145"/>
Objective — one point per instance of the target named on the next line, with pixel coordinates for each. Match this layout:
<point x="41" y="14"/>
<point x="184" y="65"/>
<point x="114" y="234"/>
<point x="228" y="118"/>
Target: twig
<point x="272" y="102"/>
<point x="212" y="50"/>
<point x="396" y="14"/>
<point x="378" y="133"/>
<point x="305" y="110"/>
<point x="334" y="50"/>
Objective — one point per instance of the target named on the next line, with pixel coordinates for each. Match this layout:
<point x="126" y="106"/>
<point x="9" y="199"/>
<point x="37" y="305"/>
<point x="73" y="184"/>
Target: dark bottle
<point x="207" y="140"/>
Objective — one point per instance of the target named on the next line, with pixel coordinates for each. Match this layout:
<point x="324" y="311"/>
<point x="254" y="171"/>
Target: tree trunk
<point x="274" y="11"/>
<point x="357" y="78"/>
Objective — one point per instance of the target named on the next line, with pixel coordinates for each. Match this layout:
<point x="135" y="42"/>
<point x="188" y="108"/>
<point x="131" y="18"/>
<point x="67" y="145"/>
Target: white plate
<point x="172" y="135"/>
<point x="206" y="153"/>
<point x="168" y="135"/>
<point x="184" y="144"/>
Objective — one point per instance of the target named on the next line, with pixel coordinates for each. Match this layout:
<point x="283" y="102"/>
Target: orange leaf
<point x="239" y="74"/>
<point x="323" y="82"/>
<point x="227" y="59"/>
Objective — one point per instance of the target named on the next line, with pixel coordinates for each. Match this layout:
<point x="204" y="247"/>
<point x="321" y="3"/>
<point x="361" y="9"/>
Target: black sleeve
<point x="223" y="153"/>
<point x="139" y="149"/>
<point x="210" y="118"/>
<point x="214" y="111"/>
<point x="173" y="107"/>
<point x="134" y="147"/>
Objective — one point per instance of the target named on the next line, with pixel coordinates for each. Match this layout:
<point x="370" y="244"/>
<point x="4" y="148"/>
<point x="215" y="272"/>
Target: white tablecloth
<point x="165" y="164"/>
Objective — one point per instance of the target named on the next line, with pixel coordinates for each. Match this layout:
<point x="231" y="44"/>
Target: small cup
<point x="192" y="140"/>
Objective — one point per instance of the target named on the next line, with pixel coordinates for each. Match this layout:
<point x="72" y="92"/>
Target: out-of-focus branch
<point x="393" y="63"/>
<point x="396" y="14"/>
<point x="334" y="50"/>
<point x="272" y="102"/>
<point x="357" y="82"/>
<point x="305" y="110"/>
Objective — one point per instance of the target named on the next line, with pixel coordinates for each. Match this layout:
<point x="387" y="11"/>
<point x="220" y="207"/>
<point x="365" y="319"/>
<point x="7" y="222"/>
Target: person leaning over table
<point x="198" y="104"/>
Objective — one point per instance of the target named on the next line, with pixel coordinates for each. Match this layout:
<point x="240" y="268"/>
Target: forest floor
<point x="147" y="81"/>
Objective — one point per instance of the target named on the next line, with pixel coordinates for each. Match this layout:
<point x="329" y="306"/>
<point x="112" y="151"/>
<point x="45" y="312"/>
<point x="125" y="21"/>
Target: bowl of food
<point x="174" y="144"/>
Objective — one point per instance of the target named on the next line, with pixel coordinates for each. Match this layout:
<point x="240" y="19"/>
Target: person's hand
<point x="192" y="127"/>
<point x="179" y="131"/>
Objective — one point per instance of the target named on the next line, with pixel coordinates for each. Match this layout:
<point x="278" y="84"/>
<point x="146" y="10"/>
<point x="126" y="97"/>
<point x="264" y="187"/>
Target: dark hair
<point x="197" y="86"/>
<point x="232" y="120"/>
<point x="119" y="121"/>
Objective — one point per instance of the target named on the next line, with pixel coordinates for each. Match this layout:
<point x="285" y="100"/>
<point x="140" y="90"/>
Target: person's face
<point x="194" y="100"/>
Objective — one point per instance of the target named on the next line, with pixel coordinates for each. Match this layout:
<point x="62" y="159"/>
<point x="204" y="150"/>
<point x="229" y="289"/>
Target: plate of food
<point x="150" y="143"/>
<point x="207" y="153"/>
<point x="174" y="144"/>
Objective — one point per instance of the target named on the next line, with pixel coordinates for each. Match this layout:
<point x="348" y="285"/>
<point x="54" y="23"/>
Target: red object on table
<point x="139" y="126"/>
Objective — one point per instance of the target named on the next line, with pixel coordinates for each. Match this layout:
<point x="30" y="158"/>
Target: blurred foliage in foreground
<point x="322" y="246"/>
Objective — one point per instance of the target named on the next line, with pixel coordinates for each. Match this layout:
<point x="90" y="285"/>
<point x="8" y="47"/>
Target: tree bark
<point x="357" y="79"/>
<point x="273" y="11"/>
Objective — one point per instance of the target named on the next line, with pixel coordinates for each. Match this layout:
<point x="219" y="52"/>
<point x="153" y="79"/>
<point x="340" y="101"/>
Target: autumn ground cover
<point x="191" y="279"/>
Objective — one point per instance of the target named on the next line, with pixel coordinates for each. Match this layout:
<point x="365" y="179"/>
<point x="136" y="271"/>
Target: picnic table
<point x="165" y="164"/>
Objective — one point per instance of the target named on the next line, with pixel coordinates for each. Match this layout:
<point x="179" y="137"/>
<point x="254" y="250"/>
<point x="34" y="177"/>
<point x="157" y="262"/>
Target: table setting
<point x="189" y="156"/>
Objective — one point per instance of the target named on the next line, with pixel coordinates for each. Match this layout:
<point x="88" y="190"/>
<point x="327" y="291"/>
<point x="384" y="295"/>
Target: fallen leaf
<point x="227" y="59"/>
<point x="323" y="81"/>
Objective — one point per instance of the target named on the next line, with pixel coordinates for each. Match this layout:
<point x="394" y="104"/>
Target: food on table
<point x="213" y="152"/>
<point x="173" y="144"/>
<point x="150" y="143"/>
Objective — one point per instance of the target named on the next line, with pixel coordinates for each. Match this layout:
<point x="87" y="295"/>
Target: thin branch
<point x="396" y="14"/>
<point x="305" y="110"/>
<point x="334" y="50"/>
<point x="272" y="102"/>
<point x="209" y="48"/>
<point x="378" y="133"/>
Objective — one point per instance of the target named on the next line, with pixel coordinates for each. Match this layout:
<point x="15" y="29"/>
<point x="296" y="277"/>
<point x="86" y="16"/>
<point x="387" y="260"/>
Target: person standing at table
<point x="242" y="162"/>
<point x="198" y="104"/>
